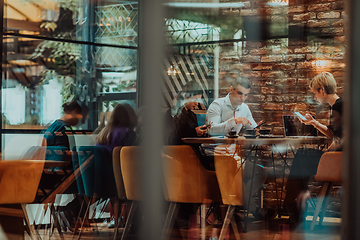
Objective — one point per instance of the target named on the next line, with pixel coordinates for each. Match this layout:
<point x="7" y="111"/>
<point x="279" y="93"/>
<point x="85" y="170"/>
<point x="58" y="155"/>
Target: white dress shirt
<point x="221" y="113"/>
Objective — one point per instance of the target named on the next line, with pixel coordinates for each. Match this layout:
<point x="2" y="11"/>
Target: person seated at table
<point x="228" y="114"/>
<point x="119" y="131"/>
<point x="185" y="123"/>
<point x="306" y="160"/>
<point x="56" y="134"/>
<point x="184" y="120"/>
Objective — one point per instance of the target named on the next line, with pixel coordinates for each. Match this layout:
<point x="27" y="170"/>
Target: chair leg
<point x="319" y="204"/>
<point x="79" y="215"/>
<point x="37" y="215"/>
<point x="118" y="217"/>
<point x="235" y="228"/>
<point x="56" y="221"/>
<point x="202" y="220"/>
<point x="229" y="215"/>
<point x="92" y="218"/>
<point x="326" y="201"/>
<point x="133" y="207"/>
<point x="85" y="217"/>
<point x="170" y="218"/>
<point x="26" y="216"/>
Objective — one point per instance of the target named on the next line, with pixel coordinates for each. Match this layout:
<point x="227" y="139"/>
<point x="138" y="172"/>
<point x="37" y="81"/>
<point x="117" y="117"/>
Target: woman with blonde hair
<point x="306" y="160"/>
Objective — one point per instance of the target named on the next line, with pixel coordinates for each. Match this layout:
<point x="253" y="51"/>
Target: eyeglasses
<point x="241" y="93"/>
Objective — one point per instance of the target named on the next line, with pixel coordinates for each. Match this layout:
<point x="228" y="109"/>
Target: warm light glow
<point x="22" y="62"/>
<point x="278" y="2"/>
<point x="321" y="63"/>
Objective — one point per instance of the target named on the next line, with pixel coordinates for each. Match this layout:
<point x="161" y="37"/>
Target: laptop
<point x="294" y="128"/>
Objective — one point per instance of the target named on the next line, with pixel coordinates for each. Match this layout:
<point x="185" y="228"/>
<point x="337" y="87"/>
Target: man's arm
<point x="249" y="116"/>
<point x="213" y="116"/>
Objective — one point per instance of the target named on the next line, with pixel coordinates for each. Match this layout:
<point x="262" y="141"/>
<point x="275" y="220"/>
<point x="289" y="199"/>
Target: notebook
<point x="294" y="128"/>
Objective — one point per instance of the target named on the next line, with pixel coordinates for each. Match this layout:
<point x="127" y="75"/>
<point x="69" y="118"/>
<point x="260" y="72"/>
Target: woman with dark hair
<point x="119" y="131"/>
<point x="55" y="134"/>
<point x="185" y="121"/>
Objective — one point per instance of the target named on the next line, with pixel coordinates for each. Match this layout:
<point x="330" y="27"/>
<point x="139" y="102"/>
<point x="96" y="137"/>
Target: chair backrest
<point x="19" y="180"/>
<point x="130" y="169"/>
<point x="98" y="174"/>
<point x="55" y="153"/>
<point x="117" y="173"/>
<point x="230" y="176"/>
<point x="329" y="168"/>
<point x="186" y="180"/>
<point x="35" y="153"/>
<point x="75" y="166"/>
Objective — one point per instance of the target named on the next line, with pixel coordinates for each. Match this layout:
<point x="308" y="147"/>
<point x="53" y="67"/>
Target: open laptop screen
<point x="293" y="127"/>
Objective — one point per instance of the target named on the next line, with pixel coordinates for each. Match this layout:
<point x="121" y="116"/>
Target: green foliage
<point x="60" y="56"/>
<point x="123" y="86"/>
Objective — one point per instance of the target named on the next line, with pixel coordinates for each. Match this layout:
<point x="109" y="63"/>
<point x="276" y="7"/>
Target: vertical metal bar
<point x="151" y="45"/>
<point x="351" y="163"/>
<point x="2" y="5"/>
<point x="88" y="62"/>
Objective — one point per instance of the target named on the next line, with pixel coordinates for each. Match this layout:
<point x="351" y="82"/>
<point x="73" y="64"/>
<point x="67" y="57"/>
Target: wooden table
<point x="254" y="143"/>
<point x="258" y="141"/>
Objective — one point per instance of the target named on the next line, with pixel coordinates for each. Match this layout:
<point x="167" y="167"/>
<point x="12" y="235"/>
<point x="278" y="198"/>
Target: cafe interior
<point x="179" y="119"/>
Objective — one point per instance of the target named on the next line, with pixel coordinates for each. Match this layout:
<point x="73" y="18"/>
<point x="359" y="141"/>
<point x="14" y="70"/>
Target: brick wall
<point x="280" y="69"/>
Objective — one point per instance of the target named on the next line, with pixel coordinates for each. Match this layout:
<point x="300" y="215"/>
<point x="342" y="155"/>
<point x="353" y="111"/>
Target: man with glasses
<point x="230" y="113"/>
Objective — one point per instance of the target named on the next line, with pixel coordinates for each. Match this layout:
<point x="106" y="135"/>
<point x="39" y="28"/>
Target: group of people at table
<point x="224" y="115"/>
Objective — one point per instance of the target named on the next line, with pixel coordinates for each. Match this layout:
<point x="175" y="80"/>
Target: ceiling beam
<point x="17" y="10"/>
<point x="14" y="24"/>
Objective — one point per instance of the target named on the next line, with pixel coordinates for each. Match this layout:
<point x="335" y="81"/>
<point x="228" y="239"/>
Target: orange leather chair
<point x="130" y="166"/>
<point x="329" y="172"/>
<point x="117" y="174"/>
<point x="19" y="181"/>
<point x="186" y="181"/>
<point x="119" y="182"/>
<point x="230" y="177"/>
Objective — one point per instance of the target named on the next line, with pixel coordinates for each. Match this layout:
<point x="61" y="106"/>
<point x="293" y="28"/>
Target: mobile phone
<point x="300" y="116"/>
<point x="258" y="126"/>
<point x="206" y="127"/>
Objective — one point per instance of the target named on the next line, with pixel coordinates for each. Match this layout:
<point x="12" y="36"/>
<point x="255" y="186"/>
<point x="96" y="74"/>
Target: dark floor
<point x="276" y="229"/>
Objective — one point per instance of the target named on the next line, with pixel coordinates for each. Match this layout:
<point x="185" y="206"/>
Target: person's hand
<point x="309" y="120"/>
<point x="200" y="131"/>
<point x="242" y="120"/>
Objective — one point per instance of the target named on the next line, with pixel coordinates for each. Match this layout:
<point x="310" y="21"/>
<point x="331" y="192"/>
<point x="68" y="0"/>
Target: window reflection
<point x="56" y="52"/>
<point x="45" y="57"/>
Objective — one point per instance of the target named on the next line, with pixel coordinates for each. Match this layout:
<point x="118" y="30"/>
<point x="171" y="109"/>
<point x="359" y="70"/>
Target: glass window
<point x="58" y="49"/>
